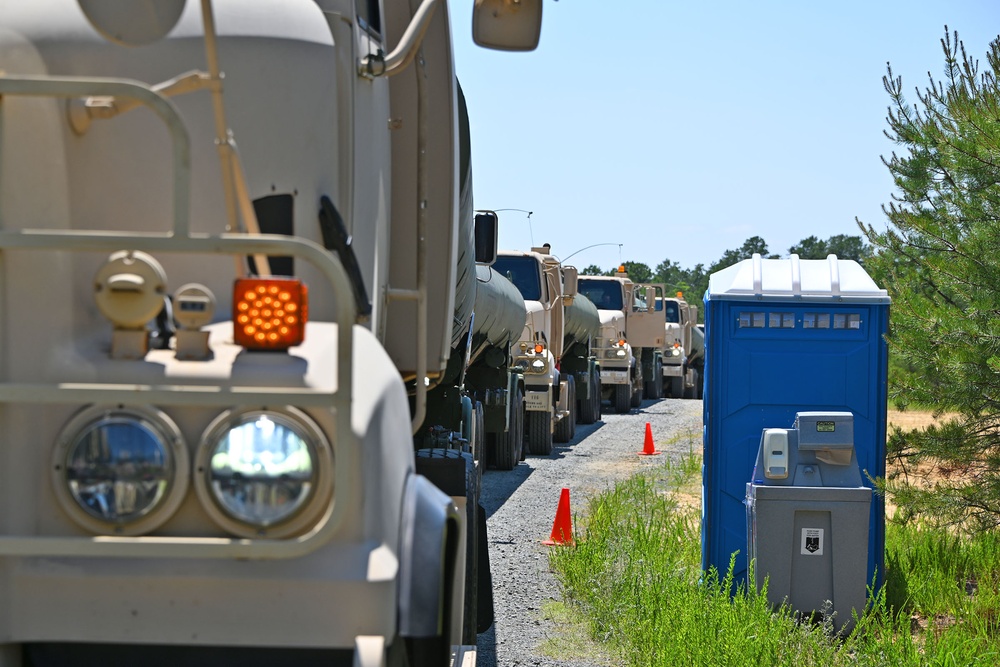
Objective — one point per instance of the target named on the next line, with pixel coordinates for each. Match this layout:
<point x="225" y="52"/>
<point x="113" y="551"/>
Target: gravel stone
<point x="521" y="506"/>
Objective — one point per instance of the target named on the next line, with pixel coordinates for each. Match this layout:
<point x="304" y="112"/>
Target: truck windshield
<point x="673" y="315"/>
<point x="523" y="272"/>
<point x="606" y="294"/>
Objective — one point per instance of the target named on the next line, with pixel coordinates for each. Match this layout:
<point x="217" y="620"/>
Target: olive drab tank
<point x="581" y="321"/>
<point x="499" y="309"/>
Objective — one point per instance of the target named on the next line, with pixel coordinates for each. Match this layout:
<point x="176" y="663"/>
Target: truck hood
<point x="612" y="323"/>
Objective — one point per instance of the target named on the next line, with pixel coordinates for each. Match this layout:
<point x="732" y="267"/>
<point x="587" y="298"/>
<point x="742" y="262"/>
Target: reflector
<point x="269" y="313"/>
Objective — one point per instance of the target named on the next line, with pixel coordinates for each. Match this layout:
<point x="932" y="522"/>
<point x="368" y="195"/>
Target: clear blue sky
<point x="682" y="129"/>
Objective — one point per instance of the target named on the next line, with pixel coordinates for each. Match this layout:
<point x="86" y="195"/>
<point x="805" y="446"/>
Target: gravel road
<point x="521" y="506"/>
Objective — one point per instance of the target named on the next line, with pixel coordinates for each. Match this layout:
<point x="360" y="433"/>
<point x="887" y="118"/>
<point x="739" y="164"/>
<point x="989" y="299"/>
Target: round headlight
<point x="620" y="354"/>
<point x="538" y="365"/>
<point x="676" y="352"/>
<point x="522" y="364"/>
<point x="264" y="472"/>
<point x="120" y="470"/>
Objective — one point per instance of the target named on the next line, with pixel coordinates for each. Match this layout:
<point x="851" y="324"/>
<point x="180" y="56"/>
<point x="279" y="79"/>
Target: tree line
<point x="693" y="282"/>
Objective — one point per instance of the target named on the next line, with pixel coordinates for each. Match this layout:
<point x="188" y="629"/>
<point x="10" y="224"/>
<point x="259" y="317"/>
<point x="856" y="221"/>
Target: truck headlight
<point x="521" y="364"/>
<point x="538" y="366"/>
<point x="263" y="471"/>
<point x="120" y="470"/>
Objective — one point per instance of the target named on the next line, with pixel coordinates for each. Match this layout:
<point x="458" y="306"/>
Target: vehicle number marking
<point x="536" y="400"/>
<point x="614" y="377"/>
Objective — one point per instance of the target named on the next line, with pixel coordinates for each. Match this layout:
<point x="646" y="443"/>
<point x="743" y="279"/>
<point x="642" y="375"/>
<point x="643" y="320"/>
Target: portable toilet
<point x="784" y="336"/>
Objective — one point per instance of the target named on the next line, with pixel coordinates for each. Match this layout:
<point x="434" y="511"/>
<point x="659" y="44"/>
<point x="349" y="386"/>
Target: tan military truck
<point x="621" y="370"/>
<point x="683" y="357"/>
<point x="223" y="303"/>
<point x="561" y="376"/>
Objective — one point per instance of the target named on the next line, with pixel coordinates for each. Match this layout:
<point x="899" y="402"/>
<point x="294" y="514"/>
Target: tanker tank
<point x="499" y="309"/>
<point x="582" y="322"/>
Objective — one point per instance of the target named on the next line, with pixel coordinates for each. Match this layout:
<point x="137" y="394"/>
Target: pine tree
<point x="940" y="260"/>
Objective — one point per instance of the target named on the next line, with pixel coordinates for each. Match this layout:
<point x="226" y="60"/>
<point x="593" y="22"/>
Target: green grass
<point x="634" y="581"/>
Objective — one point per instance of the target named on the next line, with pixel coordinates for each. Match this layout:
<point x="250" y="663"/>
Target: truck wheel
<point x="699" y="386"/>
<point x="622" y="397"/>
<point x="507" y="446"/>
<point x="653" y="389"/>
<point x="539" y="432"/>
<point x="517" y="419"/>
<point x="566" y="427"/>
<point x="636" y="398"/>
<point x="588" y="407"/>
<point x="479" y="439"/>
<point x="677" y="387"/>
<point x="598" y="398"/>
<point x="689" y="391"/>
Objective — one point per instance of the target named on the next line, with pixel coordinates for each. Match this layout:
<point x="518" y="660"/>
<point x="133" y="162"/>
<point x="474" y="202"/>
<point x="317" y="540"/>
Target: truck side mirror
<point x="486" y="237"/>
<point x="507" y="26"/>
<point x="570" y="281"/>
<point x="650" y="298"/>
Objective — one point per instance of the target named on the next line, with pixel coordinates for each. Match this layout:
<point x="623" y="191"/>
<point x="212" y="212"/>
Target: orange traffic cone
<point x="648" y="448"/>
<point x="562" y="527"/>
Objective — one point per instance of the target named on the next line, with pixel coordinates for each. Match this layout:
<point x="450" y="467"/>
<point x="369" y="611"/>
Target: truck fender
<point x="428" y="548"/>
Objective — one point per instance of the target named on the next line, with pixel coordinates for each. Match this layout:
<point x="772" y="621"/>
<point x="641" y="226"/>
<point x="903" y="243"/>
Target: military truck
<point x="561" y="376"/>
<point x="621" y="370"/>
<point x="479" y="401"/>
<point x="684" y="354"/>
<point x="214" y="355"/>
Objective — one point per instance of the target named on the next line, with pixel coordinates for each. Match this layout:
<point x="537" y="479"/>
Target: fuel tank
<point x="581" y="321"/>
<point x="499" y="309"/>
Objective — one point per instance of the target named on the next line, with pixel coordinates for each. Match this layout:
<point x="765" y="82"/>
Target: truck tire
<point x="479" y="440"/>
<point x="699" y="386"/>
<point x="689" y="391"/>
<point x="539" y="427"/>
<point x="566" y="427"/>
<point x="677" y="387"/>
<point x="507" y="446"/>
<point x="598" y="394"/>
<point x="589" y="407"/>
<point x="622" y="397"/>
<point x="653" y="388"/>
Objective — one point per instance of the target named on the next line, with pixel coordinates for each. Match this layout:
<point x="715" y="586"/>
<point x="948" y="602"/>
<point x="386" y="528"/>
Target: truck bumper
<point x="673" y="371"/>
<point x="615" y="375"/>
<point x="204" y="603"/>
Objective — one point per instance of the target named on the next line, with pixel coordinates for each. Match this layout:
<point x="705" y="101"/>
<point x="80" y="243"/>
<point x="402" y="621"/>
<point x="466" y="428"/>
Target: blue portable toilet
<point x="785" y="336"/>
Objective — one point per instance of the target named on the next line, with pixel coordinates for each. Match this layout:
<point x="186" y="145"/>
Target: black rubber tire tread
<point x="539" y="432"/>
<point x="636" y="399"/>
<point x="479" y="446"/>
<point x="506" y="445"/>
<point x="699" y="386"/>
<point x="598" y="400"/>
<point x="588" y="407"/>
<point x="566" y="427"/>
<point x="621" y="397"/>
<point x="677" y="387"/>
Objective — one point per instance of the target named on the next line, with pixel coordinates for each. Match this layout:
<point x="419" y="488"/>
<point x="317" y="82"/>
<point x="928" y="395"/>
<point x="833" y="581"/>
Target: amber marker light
<point x="269" y="313"/>
<point x="539" y="348"/>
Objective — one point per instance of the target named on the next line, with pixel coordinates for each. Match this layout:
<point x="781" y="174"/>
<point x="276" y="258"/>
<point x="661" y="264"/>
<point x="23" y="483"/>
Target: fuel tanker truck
<point x="479" y="401"/>
<point x="561" y="377"/>
<point x="229" y="278"/>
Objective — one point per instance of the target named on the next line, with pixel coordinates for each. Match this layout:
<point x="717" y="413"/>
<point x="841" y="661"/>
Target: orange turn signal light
<point x="539" y="348"/>
<point x="269" y="313"/>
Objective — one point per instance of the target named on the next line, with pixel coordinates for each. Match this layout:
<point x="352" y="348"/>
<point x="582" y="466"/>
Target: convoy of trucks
<point x="561" y="376"/>
<point x="243" y="383"/>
